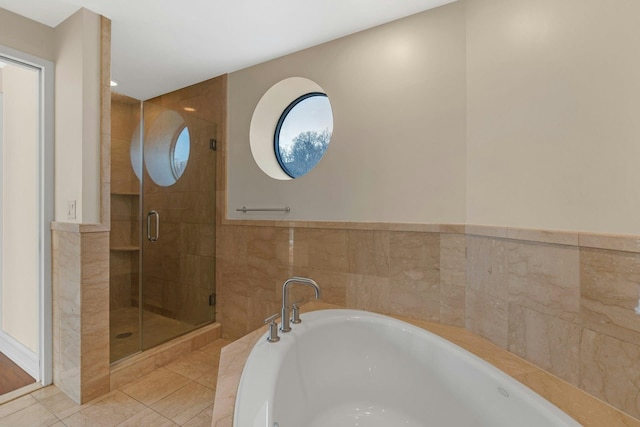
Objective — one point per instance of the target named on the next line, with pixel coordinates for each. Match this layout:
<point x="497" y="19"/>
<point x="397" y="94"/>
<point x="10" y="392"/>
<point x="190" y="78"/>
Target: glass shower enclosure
<point x="163" y="190"/>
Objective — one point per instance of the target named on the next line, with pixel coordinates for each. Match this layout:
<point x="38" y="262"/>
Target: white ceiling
<point x="162" y="45"/>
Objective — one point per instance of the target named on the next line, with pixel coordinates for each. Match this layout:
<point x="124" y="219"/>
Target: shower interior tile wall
<point x="186" y="278"/>
<point x="567" y="308"/>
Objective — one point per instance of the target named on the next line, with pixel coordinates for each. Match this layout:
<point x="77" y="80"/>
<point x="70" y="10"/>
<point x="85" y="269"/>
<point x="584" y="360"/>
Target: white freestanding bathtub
<point x="349" y="368"/>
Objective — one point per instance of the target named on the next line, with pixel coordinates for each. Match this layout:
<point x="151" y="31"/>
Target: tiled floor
<point x="180" y="393"/>
<point x="156" y="330"/>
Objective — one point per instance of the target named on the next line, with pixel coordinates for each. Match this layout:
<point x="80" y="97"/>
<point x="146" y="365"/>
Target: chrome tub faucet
<point x="285" y="325"/>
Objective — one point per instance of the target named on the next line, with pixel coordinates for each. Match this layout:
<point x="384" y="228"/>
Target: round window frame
<point x="264" y="119"/>
<point x="276" y="135"/>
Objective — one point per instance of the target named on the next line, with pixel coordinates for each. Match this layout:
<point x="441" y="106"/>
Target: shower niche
<point x="163" y="216"/>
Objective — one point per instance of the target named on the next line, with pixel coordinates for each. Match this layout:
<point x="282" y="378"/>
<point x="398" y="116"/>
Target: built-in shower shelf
<point x="125" y="248"/>
<point x="125" y="193"/>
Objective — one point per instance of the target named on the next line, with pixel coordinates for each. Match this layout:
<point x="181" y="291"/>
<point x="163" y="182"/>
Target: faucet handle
<point x="273" y="328"/>
<point x="295" y="313"/>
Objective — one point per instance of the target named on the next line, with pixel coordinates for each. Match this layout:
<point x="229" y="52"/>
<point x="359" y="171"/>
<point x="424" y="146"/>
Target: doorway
<point x="26" y="212"/>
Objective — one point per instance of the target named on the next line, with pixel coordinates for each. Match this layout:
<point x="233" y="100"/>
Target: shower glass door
<point x="178" y="218"/>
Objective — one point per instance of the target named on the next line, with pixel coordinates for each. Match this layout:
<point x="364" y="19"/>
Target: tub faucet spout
<point x="285" y="326"/>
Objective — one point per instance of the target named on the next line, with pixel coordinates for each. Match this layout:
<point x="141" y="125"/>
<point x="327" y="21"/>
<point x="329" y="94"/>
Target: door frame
<point x="44" y="367"/>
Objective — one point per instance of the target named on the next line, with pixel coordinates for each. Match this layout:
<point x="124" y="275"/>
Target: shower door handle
<point x="153" y="238"/>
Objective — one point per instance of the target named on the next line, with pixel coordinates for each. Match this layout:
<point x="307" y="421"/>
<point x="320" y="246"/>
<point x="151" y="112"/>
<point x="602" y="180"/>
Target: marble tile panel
<point x="203" y="419"/>
<point x="487" y="266"/>
<point x="610" y="242"/>
<point x="544" y="236"/>
<point x="322" y="249"/>
<point x="94" y="387"/>
<point x="185" y="403"/>
<point x="268" y="246"/>
<point x="414" y="257"/>
<point x="214" y="348"/>
<point x="453" y="257"/>
<point x="198" y="366"/>
<point x="260" y="305"/>
<point x="109" y="410"/>
<point x="66" y="346"/>
<point x="485" y="230"/>
<point x="610" y="285"/>
<point x="264" y="266"/>
<point x="197" y="239"/>
<point x="167" y="355"/>
<point x="232" y="360"/>
<point x="609" y="370"/>
<point x="586" y="409"/>
<point x="481" y="347"/>
<point x="231" y="242"/>
<point x="16" y="405"/>
<point x="545" y="340"/>
<point x="95" y="258"/>
<point x="147" y="417"/>
<point x="333" y="285"/>
<point x="545" y="278"/>
<point x="154" y="386"/>
<point x="369" y="293"/>
<point x="197" y="270"/>
<point x="452" y="305"/>
<point x="232" y="275"/>
<point x="34" y="415"/>
<point x="368" y="252"/>
<point x="130" y="372"/>
<point x="232" y="313"/>
<point x="419" y="300"/>
<point x="453" y="254"/>
<point x="487" y="316"/>
<point x="209" y="339"/>
<point x="56" y="402"/>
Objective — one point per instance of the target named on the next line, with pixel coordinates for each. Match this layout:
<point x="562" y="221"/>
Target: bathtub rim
<point x="580" y="405"/>
<point x="321" y="319"/>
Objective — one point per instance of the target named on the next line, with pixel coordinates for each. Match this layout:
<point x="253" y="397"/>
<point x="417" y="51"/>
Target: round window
<point x="180" y="153"/>
<point x="303" y="133"/>
<point x="166" y="149"/>
<point x="291" y="128"/>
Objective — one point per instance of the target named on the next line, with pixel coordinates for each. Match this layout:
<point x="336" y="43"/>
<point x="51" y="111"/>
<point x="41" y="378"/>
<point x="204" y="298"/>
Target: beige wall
<point x="77" y="156"/>
<point x="515" y="113"/>
<point x="552" y="105"/>
<point x="74" y="46"/>
<point x="25" y="35"/>
<point x="20" y="206"/>
<point x="398" y="98"/>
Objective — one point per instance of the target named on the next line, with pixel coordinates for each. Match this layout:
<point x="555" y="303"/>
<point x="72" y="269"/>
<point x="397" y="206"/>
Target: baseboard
<point x="26" y="359"/>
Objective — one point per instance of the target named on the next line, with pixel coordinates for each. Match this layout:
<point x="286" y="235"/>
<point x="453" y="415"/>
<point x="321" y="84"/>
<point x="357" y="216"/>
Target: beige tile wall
<point x="80" y="313"/>
<point x="565" y="306"/>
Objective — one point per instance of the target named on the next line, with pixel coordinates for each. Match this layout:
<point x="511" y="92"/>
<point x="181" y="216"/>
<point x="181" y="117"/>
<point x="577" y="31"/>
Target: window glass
<point x="166" y="148"/>
<point x="303" y="133"/>
<point x="180" y="153"/>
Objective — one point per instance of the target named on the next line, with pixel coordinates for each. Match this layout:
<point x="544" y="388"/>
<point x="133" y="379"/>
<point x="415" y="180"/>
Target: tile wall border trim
<point x="614" y="242"/>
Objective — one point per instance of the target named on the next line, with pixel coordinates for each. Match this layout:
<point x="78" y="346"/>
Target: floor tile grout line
<point x="163" y="397"/>
<point x="213" y="355"/>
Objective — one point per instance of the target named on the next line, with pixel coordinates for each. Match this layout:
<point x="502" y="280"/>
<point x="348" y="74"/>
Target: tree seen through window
<point x="303" y="134"/>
